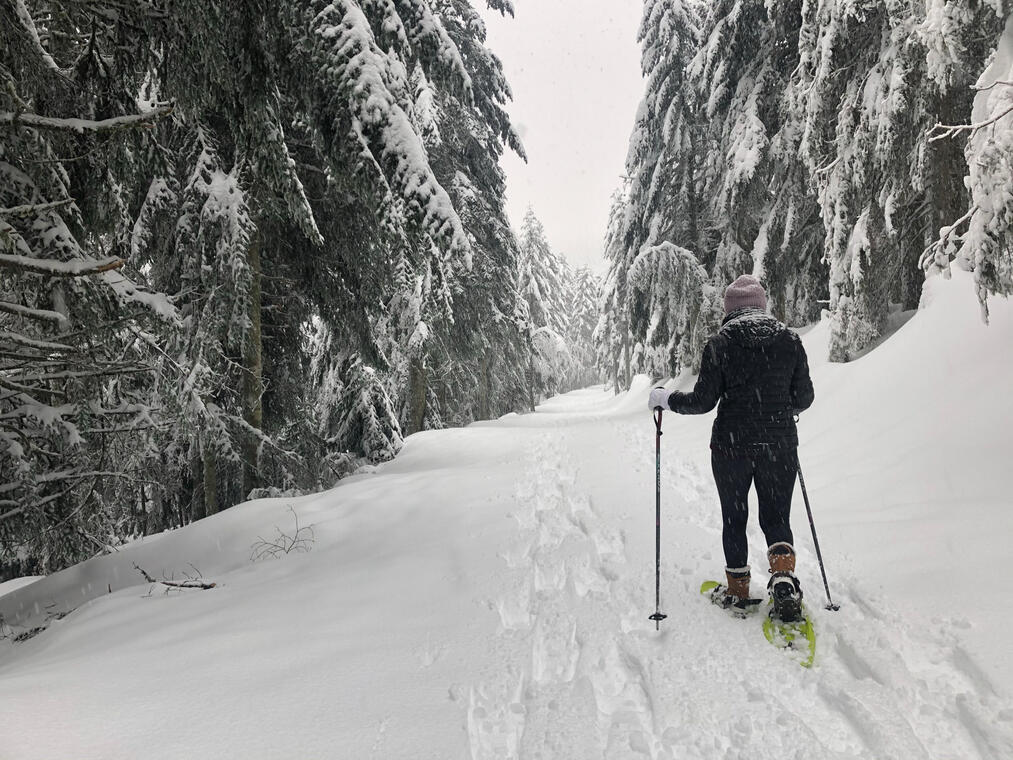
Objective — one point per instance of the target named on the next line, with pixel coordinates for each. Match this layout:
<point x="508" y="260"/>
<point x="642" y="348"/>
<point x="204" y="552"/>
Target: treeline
<point x="245" y="247"/>
<point x="800" y="141"/>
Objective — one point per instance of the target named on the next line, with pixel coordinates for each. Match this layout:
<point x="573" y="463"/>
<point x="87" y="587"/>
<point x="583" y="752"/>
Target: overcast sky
<point x="574" y="67"/>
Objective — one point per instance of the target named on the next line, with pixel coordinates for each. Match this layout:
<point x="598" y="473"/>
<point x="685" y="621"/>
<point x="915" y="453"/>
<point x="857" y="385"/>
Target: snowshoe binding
<point x="785" y="597"/>
<point x="719" y="595"/>
<point x="787" y="626"/>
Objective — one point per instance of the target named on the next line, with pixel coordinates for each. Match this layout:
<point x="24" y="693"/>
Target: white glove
<point x="659" y="397"/>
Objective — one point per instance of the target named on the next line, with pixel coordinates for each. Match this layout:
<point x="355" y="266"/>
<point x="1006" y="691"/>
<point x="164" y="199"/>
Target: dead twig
<point x="301" y="541"/>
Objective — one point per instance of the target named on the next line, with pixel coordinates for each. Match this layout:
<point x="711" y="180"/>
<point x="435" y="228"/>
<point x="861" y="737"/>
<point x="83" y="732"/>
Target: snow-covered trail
<point x="585" y="674"/>
<point x="486" y="594"/>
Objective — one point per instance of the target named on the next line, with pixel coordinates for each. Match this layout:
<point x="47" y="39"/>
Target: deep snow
<point x="486" y="594"/>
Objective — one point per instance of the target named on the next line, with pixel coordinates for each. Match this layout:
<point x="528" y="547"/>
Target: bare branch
<point x="952" y="130"/>
<point x="300" y="541"/>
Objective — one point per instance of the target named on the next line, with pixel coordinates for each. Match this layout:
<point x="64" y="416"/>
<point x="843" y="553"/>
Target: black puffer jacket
<point x="757" y="369"/>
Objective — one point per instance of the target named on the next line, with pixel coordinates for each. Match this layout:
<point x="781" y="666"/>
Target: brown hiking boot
<point x="738" y="583"/>
<point x="781" y="557"/>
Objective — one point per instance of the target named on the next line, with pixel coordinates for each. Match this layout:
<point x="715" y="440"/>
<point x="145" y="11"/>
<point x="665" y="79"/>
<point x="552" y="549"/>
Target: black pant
<point x="773" y="471"/>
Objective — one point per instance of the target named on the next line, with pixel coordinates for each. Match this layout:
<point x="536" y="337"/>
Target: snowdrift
<point x="486" y="594"/>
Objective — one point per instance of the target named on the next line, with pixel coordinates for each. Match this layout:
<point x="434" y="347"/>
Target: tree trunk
<point x="484" y="389"/>
<point x="626" y="358"/>
<point x="210" y="458"/>
<point x="531" y="381"/>
<point x="416" y="395"/>
<point x="253" y="374"/>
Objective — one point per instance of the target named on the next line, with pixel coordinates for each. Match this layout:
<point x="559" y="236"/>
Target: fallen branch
<point x="189" y="583"/>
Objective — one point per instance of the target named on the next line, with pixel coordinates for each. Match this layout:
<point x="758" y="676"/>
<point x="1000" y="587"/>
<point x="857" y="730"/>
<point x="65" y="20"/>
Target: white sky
<point x="574" y="68"/>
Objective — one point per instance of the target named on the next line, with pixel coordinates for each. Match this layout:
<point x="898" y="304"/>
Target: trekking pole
<point x="657" y="617"/>
<point x="816" y="541"/>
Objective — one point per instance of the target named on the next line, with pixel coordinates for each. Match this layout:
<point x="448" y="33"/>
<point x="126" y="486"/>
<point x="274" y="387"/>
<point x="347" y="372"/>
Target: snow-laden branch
<point x="952" y="130"/>
<point x="936" y="253"/>
<point x="74" y="268"/>
<point x="30" y="313"/>
<point x="29" y="209"/>
<point x="86" y="125"/>
<point x="996" y="83"/>
<point x="42" y="345"/>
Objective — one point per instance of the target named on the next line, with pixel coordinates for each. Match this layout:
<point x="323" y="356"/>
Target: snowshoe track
<point x="592" y="679"/>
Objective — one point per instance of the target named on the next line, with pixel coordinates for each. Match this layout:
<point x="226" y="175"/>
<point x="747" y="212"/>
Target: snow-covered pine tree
<point x="468" y="363"/>
<point x="673" y="310"/>
<point x="663" y="197"/>
<point x="380" y="238"/>
<point x="659" y="223"/>
<point x="72" y="372"/>
<point x="982" y="239"/>
<point x="789" y="115"/>
<point x="544" y="276"/>
<point x="356" y="416"/>
<point x="756" y="190"/>
<point x="544" y="283"/>
<point x="872" y="80"/>
<point x="584" y="311"/>
<point x="612" y="333"/>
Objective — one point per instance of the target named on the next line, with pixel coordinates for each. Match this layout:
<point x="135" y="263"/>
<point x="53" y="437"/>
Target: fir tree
<point x="982" y="239"/>
<point x="583" y="310"/>
<point x="544" y="285"/>
<point x="872" y="80"/>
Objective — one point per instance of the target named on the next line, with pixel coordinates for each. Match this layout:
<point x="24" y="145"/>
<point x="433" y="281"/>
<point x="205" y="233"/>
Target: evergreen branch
<point x="30" y="313"/>
<point x="42" y="345"/>
<point x="946" y="234"/>
<point x="12" y="512"/>
<point x="32" y="208"/>
<point x="86" y="125"/>
<point x="43" y="378"/>
<point x="147" y="8"/>
<point x="78" y="268"/>
<point x="18" y="389"/>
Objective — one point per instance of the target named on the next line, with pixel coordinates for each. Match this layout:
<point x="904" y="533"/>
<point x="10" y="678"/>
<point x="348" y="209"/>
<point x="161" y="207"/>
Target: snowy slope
<point x="486" y="594"/>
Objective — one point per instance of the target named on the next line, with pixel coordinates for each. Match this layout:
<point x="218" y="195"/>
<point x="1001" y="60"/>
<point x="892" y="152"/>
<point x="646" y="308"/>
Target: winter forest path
<point x="483" y="596"/>
<point x="585" y="675"/>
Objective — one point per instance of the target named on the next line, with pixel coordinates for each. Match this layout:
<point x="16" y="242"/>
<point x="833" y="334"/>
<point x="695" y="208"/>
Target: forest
<point x="837" y="149"/>
<point x="247" y="248"/>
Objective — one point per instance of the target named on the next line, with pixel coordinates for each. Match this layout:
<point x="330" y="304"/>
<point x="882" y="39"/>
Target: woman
<point x="756" y="371"/>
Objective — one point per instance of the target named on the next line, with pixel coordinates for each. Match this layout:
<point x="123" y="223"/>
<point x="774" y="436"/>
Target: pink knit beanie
<point x="745" y="292"/>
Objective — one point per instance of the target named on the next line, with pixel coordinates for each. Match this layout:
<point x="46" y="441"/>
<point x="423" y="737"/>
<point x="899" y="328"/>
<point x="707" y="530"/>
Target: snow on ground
<point x="8" y="586"/>
<point x="486" y="594"/>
